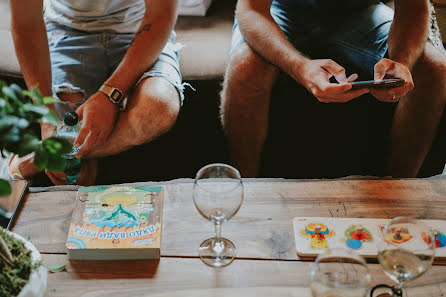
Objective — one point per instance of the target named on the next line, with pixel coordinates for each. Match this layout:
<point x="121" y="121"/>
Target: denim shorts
<point x="82" y="61"/>
<point x="355" y="40"/>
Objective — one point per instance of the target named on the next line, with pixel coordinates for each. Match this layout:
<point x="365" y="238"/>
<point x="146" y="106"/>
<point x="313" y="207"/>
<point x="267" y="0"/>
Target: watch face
<point x="116" y="96"/>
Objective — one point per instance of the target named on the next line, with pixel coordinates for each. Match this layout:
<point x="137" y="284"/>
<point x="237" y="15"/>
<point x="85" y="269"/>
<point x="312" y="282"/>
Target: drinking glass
<point x="406" y="250"/>
<point x="218" y="195"/>
<point x="339" y="273"/>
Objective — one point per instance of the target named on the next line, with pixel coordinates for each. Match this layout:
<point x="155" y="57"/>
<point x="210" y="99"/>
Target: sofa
<point x="197" y="138"/>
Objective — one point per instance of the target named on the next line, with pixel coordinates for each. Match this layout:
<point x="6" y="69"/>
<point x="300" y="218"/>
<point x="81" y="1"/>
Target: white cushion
<point x="193" y="7"/>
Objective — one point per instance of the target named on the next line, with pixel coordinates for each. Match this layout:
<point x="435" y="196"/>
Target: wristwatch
<point x="114" y="94"/>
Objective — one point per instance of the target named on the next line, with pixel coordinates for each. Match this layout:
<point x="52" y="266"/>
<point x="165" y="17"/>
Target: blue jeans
<point x="356" y="41"/>
<point x="82" y="61"/>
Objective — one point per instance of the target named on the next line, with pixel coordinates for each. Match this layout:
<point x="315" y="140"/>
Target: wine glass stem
<point x="218" y="243"/>
<point x="217" y="232"/>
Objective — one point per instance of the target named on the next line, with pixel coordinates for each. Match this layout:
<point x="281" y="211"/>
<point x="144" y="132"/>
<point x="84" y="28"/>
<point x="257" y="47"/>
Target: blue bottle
<point x="69" y="129"/>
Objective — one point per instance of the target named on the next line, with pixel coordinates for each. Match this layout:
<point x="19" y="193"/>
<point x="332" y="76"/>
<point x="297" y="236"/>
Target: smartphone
<point x="9" y="205"/>
<point x="378" y="84"/>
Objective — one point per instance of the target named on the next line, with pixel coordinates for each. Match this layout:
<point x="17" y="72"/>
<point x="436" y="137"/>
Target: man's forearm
<point x="147" y="44"/>
<point x="31" y="46"/>
<point x="409" y="31"/>
<point x="264" y="35"/>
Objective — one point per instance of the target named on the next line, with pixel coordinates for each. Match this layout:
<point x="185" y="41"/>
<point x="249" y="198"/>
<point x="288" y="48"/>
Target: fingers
<point x="336" y="70"/>
<point x="83" y="132"/>
<point x="56" y="177"/>
<point x="87" y="144"/>
<point x="386" y="67"/>
<point x="390" y="95"/>
<point x="381" y="68"/>
<point x="332" y="92"/>
<point x="352" y="78"/>
<point x="80" y="112"/>
<point x="92" y="139"/>
<point x="344" y="97"/>
<point x="317" y="82"/>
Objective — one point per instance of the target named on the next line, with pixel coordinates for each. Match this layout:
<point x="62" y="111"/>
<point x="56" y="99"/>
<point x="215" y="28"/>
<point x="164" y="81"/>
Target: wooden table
<point x="262" y="230"/>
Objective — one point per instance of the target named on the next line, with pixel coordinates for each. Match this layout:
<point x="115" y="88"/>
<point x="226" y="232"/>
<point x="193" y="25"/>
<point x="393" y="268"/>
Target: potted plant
<point x="21" y="111"/>
<point x="21" y="271"/>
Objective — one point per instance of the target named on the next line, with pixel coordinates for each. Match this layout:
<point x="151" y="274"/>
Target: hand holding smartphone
<point x="378" y="84"/>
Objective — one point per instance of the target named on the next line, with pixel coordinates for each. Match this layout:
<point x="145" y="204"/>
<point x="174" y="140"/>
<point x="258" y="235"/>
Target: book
<point x="116" y="222"/>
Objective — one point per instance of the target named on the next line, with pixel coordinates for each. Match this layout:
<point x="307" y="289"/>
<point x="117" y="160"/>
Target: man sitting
<point x="367" y="37"/>
<point x="95" y="54"/>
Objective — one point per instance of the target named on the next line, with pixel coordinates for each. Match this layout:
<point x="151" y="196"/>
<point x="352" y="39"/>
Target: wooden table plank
<point x="190" y="277"/>
<point x="263" y="227"/>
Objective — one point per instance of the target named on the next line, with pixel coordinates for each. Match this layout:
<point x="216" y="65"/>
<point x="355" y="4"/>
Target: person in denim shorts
<point x="116" y="61"/>
<point x="315" y="43"/>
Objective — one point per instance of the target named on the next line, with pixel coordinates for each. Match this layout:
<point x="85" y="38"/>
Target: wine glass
<point x="339" y="273"/>
<point x="218" y="195"/>
<point x="406" y="250"/>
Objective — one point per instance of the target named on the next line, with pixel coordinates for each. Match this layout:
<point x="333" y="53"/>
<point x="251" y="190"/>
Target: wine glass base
<point x="394" y="292"/>
<point x="217" y="255"/>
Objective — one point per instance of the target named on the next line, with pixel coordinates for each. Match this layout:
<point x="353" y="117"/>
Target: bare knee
<point x="429" y="74"/>
<point x="248" y="69"/>
<point x="248" y="81"/>
<point x="154" y="108"/>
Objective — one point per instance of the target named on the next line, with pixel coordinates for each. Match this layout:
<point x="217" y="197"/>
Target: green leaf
<point x="50" y="100"/>
<point x="27" y="93"/>
<point x="22" y="123"/>
<point x="36" y="95"/>
<point x="5" y="188"/>
<point x="8" y="121"/>
<point x="17" y="89"/>
<point x="52" y="118"/>
<point x="41" y="158"/>
<point x="56" y="163"/>
<point x="57" y="145"/>
<point x="57" y="268"/>
<point x="39" y="109"/>
<point x="10" y="93"/>
<point x="28" y="144"/>
<point x="13" y="135"/>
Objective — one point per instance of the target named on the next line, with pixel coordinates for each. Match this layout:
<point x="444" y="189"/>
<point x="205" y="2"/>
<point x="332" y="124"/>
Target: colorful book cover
<point x="116" y="223"/>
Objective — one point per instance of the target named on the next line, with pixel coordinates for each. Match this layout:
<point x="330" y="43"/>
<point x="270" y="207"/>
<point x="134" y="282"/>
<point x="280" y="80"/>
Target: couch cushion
<point x="206" y="42"/>
<point x="8" y="60"/>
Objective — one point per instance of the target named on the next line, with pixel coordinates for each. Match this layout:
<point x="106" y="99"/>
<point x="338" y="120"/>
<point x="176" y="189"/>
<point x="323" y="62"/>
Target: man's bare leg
<point x="152" y="111"/>
<point x="418" y="114"/>
<point x="245" y="107"/>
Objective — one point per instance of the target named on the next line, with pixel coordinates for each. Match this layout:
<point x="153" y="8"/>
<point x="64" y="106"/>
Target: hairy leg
<point x="152" y="111"/>
<point x="418" y="114"/>
<point x="245" y="106"/>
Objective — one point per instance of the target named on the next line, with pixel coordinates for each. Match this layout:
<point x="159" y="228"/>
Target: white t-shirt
<point x="120" y="16"/>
